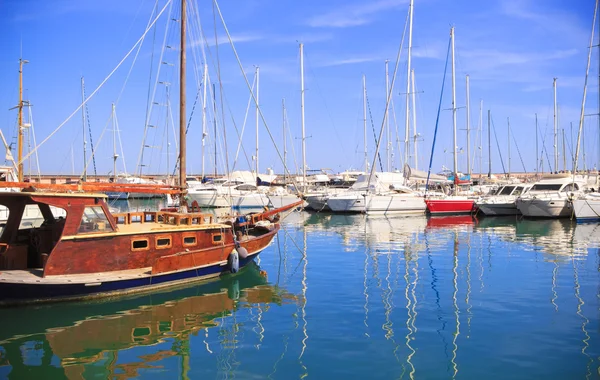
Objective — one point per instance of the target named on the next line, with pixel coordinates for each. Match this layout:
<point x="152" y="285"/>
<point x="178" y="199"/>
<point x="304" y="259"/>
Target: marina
<point x="414" y="297"/>
<point x="290" y="195"/>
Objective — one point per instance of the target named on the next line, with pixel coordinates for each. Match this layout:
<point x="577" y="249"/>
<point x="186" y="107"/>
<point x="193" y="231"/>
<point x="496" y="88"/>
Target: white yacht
<point x="238" y="190"/>
<point x="132" y="180"/>
<point x="552" y="196"/>
<point x="587" y="207"/>
<point x="384" y="194"/>
<point x="503" y="202"/>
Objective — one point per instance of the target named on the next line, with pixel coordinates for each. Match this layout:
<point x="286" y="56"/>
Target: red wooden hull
<point x="450" y="221"/>
<point x="449" y="206"/>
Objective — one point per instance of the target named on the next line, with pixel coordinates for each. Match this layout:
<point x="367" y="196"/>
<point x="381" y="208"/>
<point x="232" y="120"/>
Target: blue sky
<point x="512" y="50"/>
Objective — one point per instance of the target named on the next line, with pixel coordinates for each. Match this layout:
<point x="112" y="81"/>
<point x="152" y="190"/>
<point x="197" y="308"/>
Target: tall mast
<point x="454" y="108"/>
<point x="115" y="155"/>
<point x="537" y="157"/>
<point x="257" y="117"/>
<point x="284" y="141"/>
<point x="83" y="133"/>
<point x="365" y="122"/>
<point x="387" y="118"/>
<point x="215" y="123"/>
<point x="20" y="121"/>
<point x="407" y="121"/>
<point x="480" y="137"/>
<point x="468" y="128"/>
<point x="564" y="150"/>
<point x="182" y="112"/>
<point x="302" y="115"/>
<point x="555" y="129"/>
<point x="489" y="144"/>
<point x="508" y="128"/>
<point x="587" y="69"/>
<point x="204" y="133"/>
<point x="414" y="109"/>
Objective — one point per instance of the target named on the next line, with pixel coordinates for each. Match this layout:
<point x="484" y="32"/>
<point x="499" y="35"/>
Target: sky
<point x="511" y="50"/>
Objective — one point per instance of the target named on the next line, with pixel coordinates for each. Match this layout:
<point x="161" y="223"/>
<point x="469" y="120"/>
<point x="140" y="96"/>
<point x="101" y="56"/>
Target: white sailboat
<point x="504" y="201"/>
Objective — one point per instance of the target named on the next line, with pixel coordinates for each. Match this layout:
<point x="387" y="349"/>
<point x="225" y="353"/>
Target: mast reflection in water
<point x="347" y="296"/>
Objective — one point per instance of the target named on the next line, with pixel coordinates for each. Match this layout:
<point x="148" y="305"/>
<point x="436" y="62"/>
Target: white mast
<point x="555" y="129"/>
<point x="480" y="137"/>
<point x="454" y="107"/>
<point x="365" y="122"/>
<point x="414" y="109"/>
<point x="387" y="118"/>
<point x="587" y="70"/>
<point x="407" y="127"/>
<point x="302" y="116"/>
<point x="204" y="133"/>
<point x="284" y="140"/>
<point x="508" y="123"/>
<point x="83" y="132"/>
<point x="257" y="116"/>
<point x="468" y="127"/>
<point x="115" y="155"/>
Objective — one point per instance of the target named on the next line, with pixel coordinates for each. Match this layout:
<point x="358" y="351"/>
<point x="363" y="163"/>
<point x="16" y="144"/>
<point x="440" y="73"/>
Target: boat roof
<point x="18" y="194"/>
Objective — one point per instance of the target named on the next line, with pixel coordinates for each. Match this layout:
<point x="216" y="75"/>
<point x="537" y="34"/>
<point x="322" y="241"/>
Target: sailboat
<point x="92" y="253"/>
<point x="452" y="204"/>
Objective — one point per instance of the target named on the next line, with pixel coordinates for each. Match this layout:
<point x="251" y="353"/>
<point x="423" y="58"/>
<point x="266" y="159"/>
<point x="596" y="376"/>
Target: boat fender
<point x="233" y="261"/>
<point x="242" y="252"/>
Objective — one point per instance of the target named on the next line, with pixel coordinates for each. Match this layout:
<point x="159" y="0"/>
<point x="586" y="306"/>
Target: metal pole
<point x="302" y="116"/>
<point x="555" y="129"/>
<point x="406" y="138"/>
<point x="414" y="109"/>
<point x="454" y="108"/>
<point x="365" y="123"/>
<point x="284" y="142"/>
<point x="489" y="144"/>
<point x="387" y="118"/>
<point x="508" y="123"/>
<point x="204" y="133"/>
<point x="20" y="122"/>
<point x="83" y="132"/>
<point x="468" y="128"/>
<point x="182" y="111"/>
<point x="537" y="157"/>
<point x="480" y="137"/>
<point x="257" y="116"/>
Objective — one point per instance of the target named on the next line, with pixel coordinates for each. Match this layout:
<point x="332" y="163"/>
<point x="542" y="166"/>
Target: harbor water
<point x="346" y="296"/>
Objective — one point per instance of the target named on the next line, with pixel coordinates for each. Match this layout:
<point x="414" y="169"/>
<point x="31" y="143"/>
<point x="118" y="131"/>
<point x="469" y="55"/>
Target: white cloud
<point x="349" y="61"/>
<point x="353" y="15"/>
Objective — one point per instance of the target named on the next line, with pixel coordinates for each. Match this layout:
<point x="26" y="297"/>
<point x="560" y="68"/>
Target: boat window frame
<point x="147" y="247"/>
<point x="220" y="240"/>
<point x="163" y="237"/>
<point x="100" y="216"/>
<point x="188" y="237"/>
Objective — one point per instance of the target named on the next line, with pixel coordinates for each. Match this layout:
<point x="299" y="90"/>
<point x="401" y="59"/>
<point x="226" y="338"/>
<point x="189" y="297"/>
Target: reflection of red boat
<point x="450" y="205"/>
<point x="450" y="221"/>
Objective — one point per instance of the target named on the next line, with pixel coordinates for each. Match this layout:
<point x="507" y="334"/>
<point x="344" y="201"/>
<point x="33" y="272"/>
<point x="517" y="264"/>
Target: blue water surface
<point x="342" y="296"/>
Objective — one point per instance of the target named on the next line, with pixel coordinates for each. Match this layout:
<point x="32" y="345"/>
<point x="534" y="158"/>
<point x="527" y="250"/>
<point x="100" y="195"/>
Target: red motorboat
<point x="451" y="205"/>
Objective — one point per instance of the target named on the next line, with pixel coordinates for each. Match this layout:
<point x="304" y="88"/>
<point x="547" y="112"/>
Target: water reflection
<point x="96" y="338"/>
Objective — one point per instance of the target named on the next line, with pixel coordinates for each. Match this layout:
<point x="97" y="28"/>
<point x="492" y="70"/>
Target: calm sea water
<point x="340" y="296"/>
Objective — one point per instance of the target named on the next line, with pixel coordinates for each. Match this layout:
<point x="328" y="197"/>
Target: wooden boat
<point x="93" y="253"/>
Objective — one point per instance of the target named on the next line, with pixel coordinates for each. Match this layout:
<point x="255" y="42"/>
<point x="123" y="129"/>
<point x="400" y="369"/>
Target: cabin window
<point x="139" y="245"/>
<point x="217" y="238"/>
<point x="163" y="242"/>
<point x="94" y="220"/>
<point x="571" y="187"/>
<point x="189" y="240"/>
<point x="518" y="191"/>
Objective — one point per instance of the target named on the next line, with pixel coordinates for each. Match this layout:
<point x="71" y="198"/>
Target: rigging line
<point x="97" y="88"/>
<point x="498" y="145"/>
<point x="120" y="145"/>
<point x="387" y="103"/>
<point x="149" y="104"/>
<point x="240" y="136"/>
<point x="374" y="134"/>
<point x="87" y="114"/>
<point x="437" y="119"/>
<point x="518" y="150"/>
<point x="248" y="85"/>
<point x="37" y="159"/>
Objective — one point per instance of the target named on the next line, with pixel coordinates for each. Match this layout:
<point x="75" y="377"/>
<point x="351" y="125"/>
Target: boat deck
<point x="34" y="276"/>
